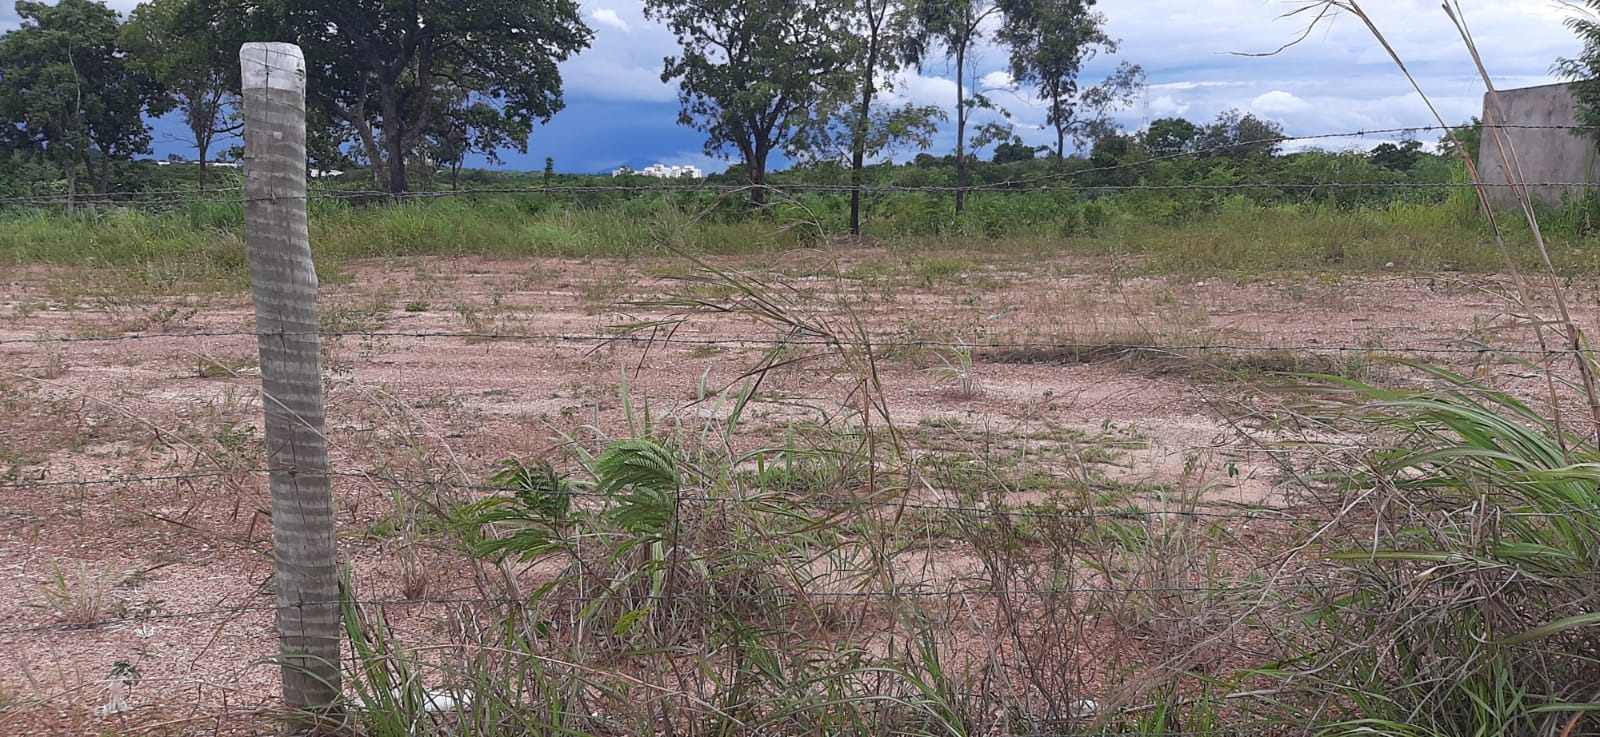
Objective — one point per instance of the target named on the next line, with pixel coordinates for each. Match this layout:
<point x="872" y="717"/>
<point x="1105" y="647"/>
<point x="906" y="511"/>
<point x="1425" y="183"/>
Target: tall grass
<point x="1460" y="599"/>
<point x="203" y="242"/>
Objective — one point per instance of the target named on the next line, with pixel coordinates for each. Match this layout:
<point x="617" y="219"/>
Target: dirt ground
<point x="133" y="523"/>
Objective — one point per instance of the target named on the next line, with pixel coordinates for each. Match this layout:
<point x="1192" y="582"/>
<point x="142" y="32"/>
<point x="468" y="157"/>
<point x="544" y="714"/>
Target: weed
<point x="956" y="370"/>
<point x="53" y="363"/>
<point x="212" y="367"/>
<point x="1465" y="604"/>
<point x="473" y="320"/>
<point x="83" y="597"/>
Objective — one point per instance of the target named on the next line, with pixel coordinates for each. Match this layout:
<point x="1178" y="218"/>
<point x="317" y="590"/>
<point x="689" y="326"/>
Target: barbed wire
<point x="187" y="197"/>
<point x="1005" y="187"/>
<point x="1454" y="347"/>
<point x="778" y="594"/>
<point x="1242" y="513"/>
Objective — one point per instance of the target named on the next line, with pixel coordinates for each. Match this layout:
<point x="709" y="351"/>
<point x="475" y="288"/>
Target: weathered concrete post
<point x="1559" y="160"/>
<point x="284" y="284"/>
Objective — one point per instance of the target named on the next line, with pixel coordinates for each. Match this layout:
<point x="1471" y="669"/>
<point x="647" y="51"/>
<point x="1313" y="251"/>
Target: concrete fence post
<point x="284" y="285"/>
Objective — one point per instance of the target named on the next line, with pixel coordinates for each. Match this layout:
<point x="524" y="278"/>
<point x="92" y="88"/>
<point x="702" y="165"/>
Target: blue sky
<point x="1338" y="79"/>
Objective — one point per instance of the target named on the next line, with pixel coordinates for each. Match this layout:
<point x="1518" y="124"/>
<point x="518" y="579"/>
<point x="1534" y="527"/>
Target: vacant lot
<point x="896" y="401"/>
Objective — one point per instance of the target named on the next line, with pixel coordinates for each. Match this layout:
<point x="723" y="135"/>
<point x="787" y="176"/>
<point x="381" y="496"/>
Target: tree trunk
<point x="70" y="172"/>
<point x="1061" y="147"/>
<point x="858" y="146"/>
<point x="201" y="116"/>
<point x="757" y="166"/>
<point x="101" y="174"/>
<point x="202" y="145"/>
<point x="396" y="157"/>
<point x="285" y="286"/>
<point x="393" y="140"/>
<point x="961" y="128"/>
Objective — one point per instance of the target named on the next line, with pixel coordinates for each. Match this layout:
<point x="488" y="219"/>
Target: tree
<point x="378" y="66"/>
<point x="1470" y="134"/>
<point x="886" y="28"/>
<point x="1584" y="70"/>
<point x="957" y="25"/>
<point x="751" y="71"/>
<point x="1396" y="157"/>
<point x="193" y="64"/>
<point x="1092" y="119"/>
<point x="1238" y="135"/>
<point x="1170" y="136"/>
<point x="1050" y="42"/>
<point x="1014" y="150"/>
<point x="464" y="126"/>
<point x="68" y="92"/>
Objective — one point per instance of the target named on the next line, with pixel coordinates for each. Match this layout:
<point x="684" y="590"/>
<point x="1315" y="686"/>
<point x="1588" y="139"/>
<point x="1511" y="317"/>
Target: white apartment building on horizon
<point x="661" y="171"/>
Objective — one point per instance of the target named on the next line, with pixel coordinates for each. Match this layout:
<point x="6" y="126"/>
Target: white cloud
<point x="606" y="79"/>
<point x="609" y="17"/>
<point x="1167" y="106"/>
<point x="1278" y="102"/>
<point x="998" y="79"/>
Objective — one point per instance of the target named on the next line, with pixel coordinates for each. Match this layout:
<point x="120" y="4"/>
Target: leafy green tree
<point x="1169" y="136"/>
<point x="379" y="67"/>
<point x="195" y="66"/>
<point x="750" y="72"/>
<point x="1050" y="41"/>
<point x="886" y="29"/>
<point x="958" y="27"/>
<point x="465" y="126"/>
<point x="1584" y="69"/>
<point x="1237" y="135"/>
<point x="1470" y="134"/>
<point x="1092" y="119"/>
<point x="1014" y="150"/>
<point x="1355" y="180"/>
<point x="68" y="92"/>
<point x="1397" y="157"/>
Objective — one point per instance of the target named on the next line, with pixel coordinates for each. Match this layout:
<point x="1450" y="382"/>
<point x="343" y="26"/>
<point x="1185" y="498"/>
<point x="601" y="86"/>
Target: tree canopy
<point x="1239" y="135"/>
<point x="1583" y="70"/>
<point x="750" y="72"/>
<point x="1170" y="136"/>
<point x="195" y="65"/>
<point x="1050" y="41"/>
<point x="377" y="68"/>
<point x="958" y="26"/>
<point x="67" y="90"/>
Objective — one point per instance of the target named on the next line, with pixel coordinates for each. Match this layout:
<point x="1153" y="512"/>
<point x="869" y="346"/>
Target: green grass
<point x="1466" y="606"/>
<point x="203" y="243"/>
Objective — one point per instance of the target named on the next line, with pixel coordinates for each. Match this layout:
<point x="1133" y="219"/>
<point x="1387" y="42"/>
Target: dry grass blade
<point x="1571" y="333"/>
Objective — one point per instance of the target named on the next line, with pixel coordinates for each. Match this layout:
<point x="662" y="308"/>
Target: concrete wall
<point x="1551" y="155"/>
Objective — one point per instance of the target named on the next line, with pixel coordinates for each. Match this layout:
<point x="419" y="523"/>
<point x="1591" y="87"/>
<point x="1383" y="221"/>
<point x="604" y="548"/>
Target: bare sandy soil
<point x="133" y="524"/>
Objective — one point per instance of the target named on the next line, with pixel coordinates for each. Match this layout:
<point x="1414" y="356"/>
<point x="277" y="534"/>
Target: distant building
<point x="1559" y="159"/>
<point x="661" y="171"/>
<point x="196" y="162"/>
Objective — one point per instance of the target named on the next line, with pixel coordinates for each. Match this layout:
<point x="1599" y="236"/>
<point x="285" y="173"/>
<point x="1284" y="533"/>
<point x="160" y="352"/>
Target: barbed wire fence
<point x="1055" y="181"/>
<point x="1215" y="514"/>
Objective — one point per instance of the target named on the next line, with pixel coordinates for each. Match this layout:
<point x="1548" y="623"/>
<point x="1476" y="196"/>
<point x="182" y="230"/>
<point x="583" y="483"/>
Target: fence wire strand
<point x="1451" y="346"/>
<point x="1240" y="513"/>
<point x="168" y="198"/>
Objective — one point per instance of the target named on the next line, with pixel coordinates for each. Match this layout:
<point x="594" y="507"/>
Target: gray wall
<point x="1545" y="155"/>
